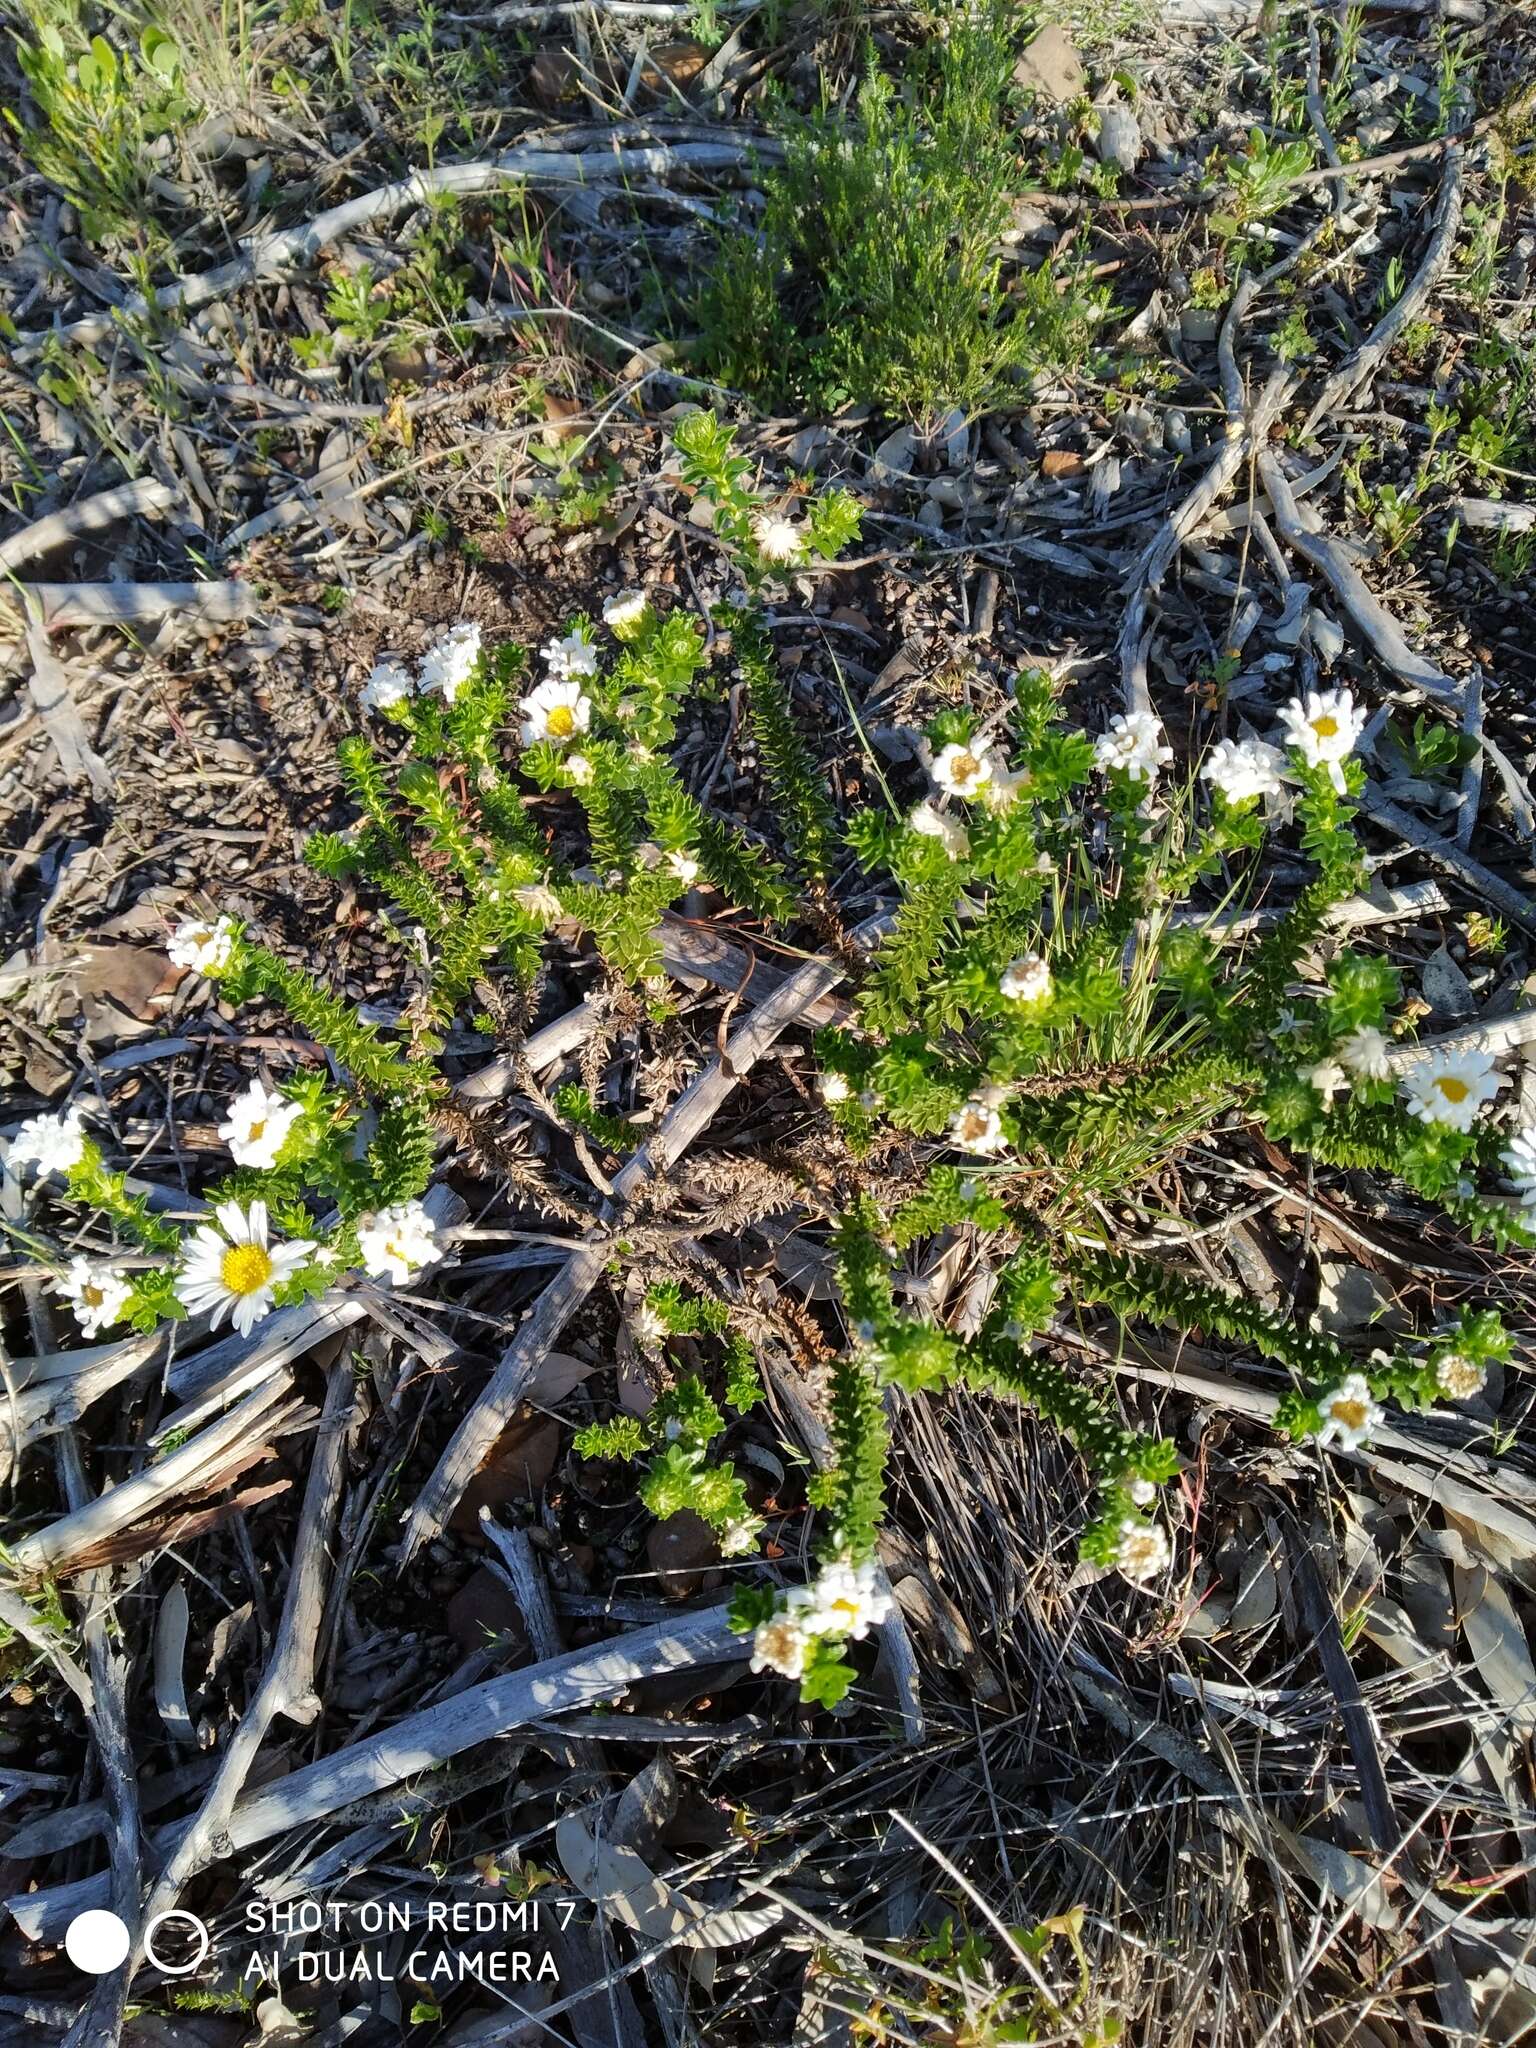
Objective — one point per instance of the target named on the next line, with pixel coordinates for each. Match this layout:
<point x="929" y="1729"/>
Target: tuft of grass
<point x="95" y="111"/>
<point x="874" y="275"/>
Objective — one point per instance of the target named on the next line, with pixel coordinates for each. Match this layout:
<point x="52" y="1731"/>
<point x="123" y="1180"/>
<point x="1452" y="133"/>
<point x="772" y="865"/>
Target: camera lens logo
<point x="175" y="1942"/>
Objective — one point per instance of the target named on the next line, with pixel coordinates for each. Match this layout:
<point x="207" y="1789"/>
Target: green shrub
<point x="101" y="108"/>
<point x="1042" y="1013"/>
<point x="874" y="275"/>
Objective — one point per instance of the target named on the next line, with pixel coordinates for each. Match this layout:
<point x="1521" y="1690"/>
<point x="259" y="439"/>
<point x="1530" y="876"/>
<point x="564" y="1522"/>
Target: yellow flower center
<point x="92" y="1295"/>
<point x="245" y="1268"/>
<point x="1352" y="1414"/>
<point x="1325" y="727"/>
<point x="975" y="1125"/>
<point x="257" y="1128"/>
<point x="1452" y="1089"/>
<point x="562" y="722"/>
<point x="965" y="767"/>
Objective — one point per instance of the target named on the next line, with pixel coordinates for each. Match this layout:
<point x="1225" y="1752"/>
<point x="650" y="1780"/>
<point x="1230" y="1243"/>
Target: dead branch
<point x="1372" y="622"/>
<point x="1373" y="351"/>
<point x="427" y="1738"/>
<point x="270" y="255"/>
<point x="1443" y="853"/>
<point x="286" y="1685"/>
<point x="144" y="498"/>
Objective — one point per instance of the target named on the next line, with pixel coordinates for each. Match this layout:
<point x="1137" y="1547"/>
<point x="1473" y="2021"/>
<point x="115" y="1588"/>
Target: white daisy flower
<point x="1241" y="770"/>
<point x="963" y="770"/>
<point x="778" y="539"/>
<point x="258" y="1125"/>
<point x="684" y="867"/>
<point x="780" y="1644"/>
<point x="233" y="1270"/>
<point x="1451" y="1088"/>
<point x="450" y="662"/>
<point x="573" y="656"/>
<point x="739" y="1538"/>
<point x="1143" y="1552"/>
<point x="1142" y="1492"/>
<point x="579" y="769"/>
<point x="1459" y="1378"/>
<point x="556" y="711"/>
<point x="1323" y="727"/>
<point x="53" y="1144"/>
<point x="1349" y="1413"/>
<point x="396" y="1241"/>
<point x="1027" y="980"/>
<point x="203" y="945"/>
<point x="1520" y="1163"/>
<point x="1364" y="1052"/>
<point x="932" y="824"/>
<point x="1327" y="1077"/>
<point x="1133" y="746"/>
<point x="844" y="1601"/>
<point x="835" y="1088"/>
<point x="625" y="614"/>
<point x="977" y="1127"/>
<point x="98" y="1294"/>
<point x="540" y="901"/>
<point x="388" y="684"/>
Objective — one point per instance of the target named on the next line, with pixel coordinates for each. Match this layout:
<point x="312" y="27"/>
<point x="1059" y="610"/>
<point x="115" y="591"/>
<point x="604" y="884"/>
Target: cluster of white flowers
<point x="389" y="683"/>
<point x="1134" y="745"/>
<point x="540" y="901"/>
<point x="1349" y="1413"/>
<point x="258" y="1125"/>
<point x="1241" y="770"/>
<point x="626" y="614"/>
<point x="647" y="1326"/>
<point x="932" y="824"/>
<point x="397" y="1241"/>
<point x="976" y="1126"/>
<point x="1323" y="727"/>
<point x="1327" y="1077"/>
<point x="1143" y="1552"/>
<point x="53" y="1144"/>
<point x="449" y="662"/>
<point x="1459" y="1378"/>
<point x="778" y="539"/>
<point x="203" y="945"/>
<point x="1451" y="1087"/>
<point x="1364" y="1054"/>
<point x="444" y="669"/>
<point x="842" y="1604"/>
<point x="1520" y="1160"/>
<point x="234" y="1269"/>
<point x="739" y="1538"/>
<point x="1027" y="980"/>
<point x="573" y="656"/>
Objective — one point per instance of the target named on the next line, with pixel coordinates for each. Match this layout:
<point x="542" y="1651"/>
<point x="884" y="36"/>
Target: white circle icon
<point x="177" y="1916"/>
<point x="96" y="1942"/>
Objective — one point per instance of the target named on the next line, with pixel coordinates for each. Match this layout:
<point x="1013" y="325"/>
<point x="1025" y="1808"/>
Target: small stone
<point x="1445" y="988"/>
<point x="1050" y="67"/>
<point x="892" y="462"/>
<point x="1327" y="637"/>
<point x="1118" y="141"/>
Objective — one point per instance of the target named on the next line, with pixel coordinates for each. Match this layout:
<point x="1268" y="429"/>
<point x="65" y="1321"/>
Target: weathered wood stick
<point x="423" y="1740"/>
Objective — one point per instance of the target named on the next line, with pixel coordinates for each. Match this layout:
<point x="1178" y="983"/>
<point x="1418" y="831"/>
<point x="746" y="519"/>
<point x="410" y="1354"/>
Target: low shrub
<point x="1046" y="1017"/>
